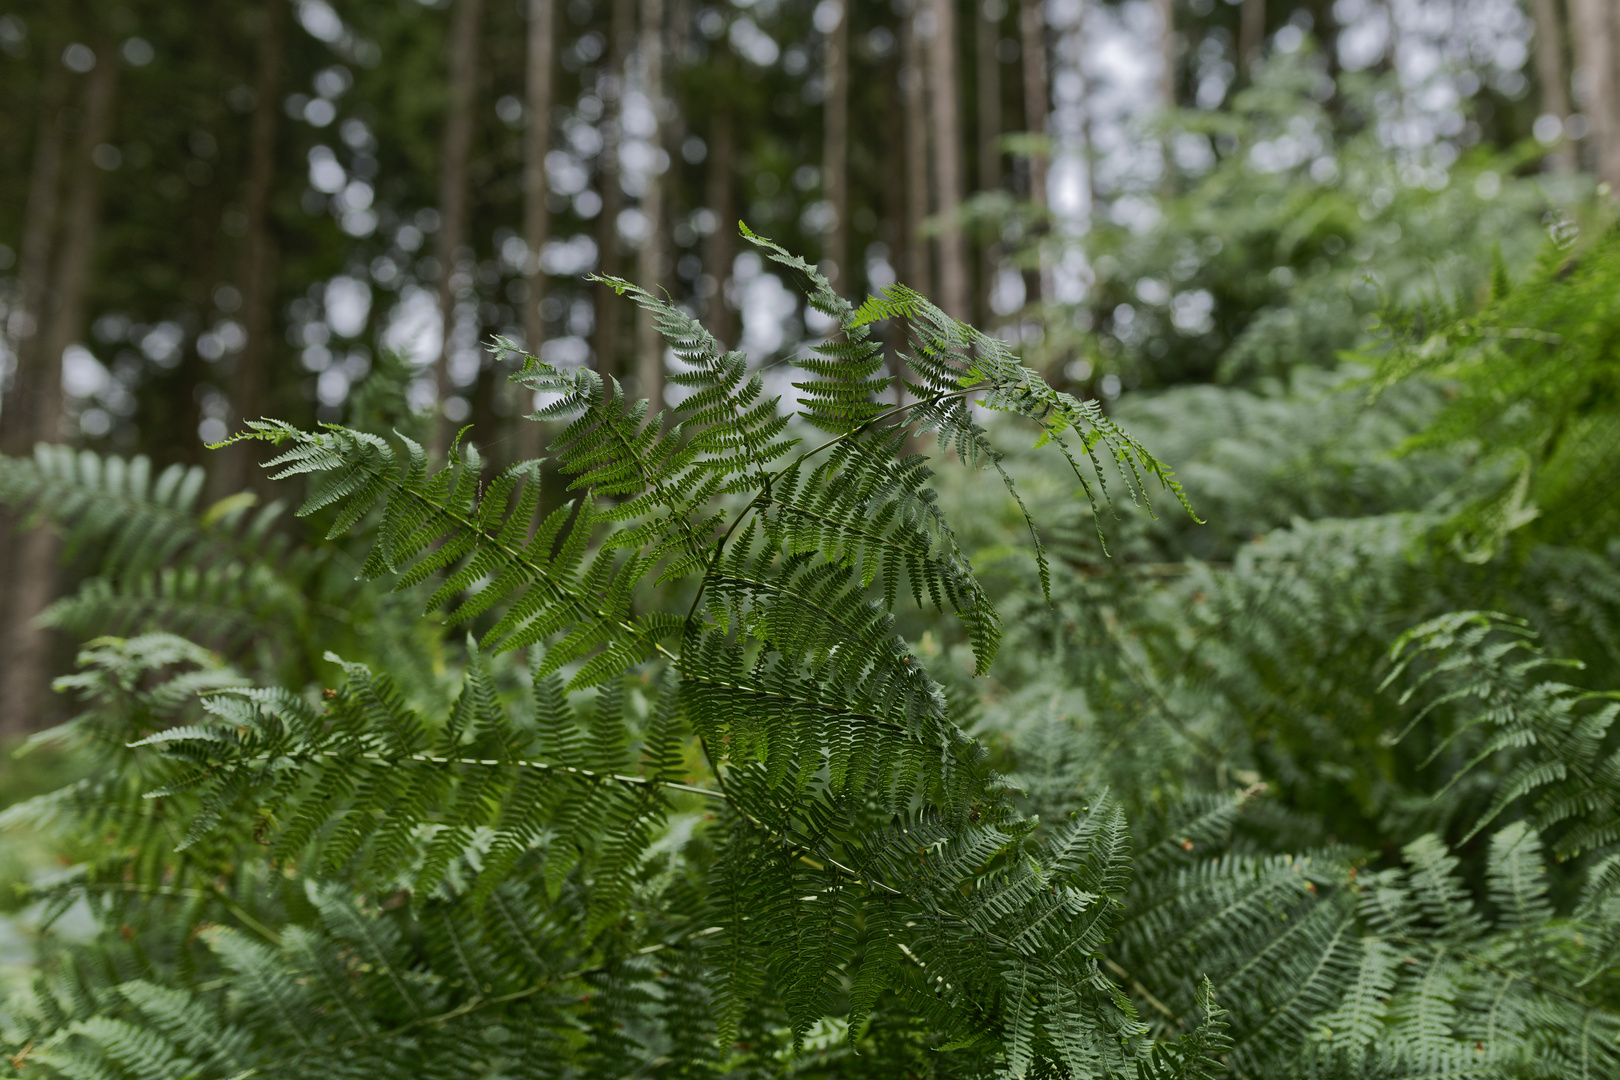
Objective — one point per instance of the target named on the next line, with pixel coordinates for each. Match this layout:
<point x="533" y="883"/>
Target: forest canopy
<point x="792" y="538"/>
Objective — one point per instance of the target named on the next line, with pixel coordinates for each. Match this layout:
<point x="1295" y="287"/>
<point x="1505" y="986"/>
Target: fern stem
<point x="1418" y="945"/>
<point x="522" y="763"/>
<point x="1143" y="992"/>
<point x="778" y="695"/>
<point x="213" y="891"/>
<point x="478" y="1004"/>
<point x="764" y="493"/>
<point x="1143" y="680"/>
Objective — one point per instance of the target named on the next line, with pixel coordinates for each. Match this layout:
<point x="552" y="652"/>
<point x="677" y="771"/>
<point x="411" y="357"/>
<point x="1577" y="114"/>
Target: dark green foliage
<point x="702" y="794"/>
<point x="1534" y="388"/>
<point x="1485" y="670"/>
<point x="224" y="574"/>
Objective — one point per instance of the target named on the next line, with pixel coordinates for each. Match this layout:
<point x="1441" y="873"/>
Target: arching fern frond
<point x="224" y="573"/>
<point x="852" y="843"/>
<point x="1483" y="672"/>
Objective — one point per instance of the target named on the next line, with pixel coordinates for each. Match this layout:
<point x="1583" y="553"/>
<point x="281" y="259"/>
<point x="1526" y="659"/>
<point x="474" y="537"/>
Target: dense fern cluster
<point x="710" y="788"/>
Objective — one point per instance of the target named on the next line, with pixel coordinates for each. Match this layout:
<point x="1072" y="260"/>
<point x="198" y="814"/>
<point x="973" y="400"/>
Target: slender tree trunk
<point x="913" y="71"/>
<point x="1327" y="44"/>
<point x="945" y="99"/>
<point x="1167" y="51"/>
<point x="71" y="274"/>
<point x="1592" y="25"/>
<point x="1093" y="198"/>
<point x="987" y="70"/>
<point x="31" y="565"/>
<point x="542" y="46"/>
<point x="21" y="656"/>
<point x="455" y="151"/>
<point x="1550" y="74"/>
<point x="250" y="380"/>
<point x="609" y="307"/>
<point x="835" y="151"/>
<point x="1251" y="35"/>
<point x="1037" y="98"/>
<point x="720" y="247"/>
<point x="1167" y="87"/>
<point x="21" y="407"/>
<point x="650" y="251"/>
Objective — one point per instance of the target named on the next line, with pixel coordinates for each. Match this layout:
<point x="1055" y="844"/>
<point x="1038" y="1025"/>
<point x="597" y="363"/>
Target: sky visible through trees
<point x="348" y="154"/>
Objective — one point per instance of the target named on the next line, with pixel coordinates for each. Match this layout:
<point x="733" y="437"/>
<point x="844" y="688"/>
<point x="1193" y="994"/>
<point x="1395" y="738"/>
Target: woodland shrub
<point x="691" y="776"/>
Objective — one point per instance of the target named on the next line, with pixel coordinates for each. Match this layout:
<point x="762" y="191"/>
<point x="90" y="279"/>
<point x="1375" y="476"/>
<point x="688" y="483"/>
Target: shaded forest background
<point x="212" y="212"/>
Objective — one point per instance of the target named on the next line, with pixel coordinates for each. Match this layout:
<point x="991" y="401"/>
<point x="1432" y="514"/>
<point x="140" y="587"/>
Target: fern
<point x="1532" y="385"/>
<point x="688" y="803"/>
<point x="227" y="574"/>
<point x="864" y="848"/>
<point x="1485" y="668"/>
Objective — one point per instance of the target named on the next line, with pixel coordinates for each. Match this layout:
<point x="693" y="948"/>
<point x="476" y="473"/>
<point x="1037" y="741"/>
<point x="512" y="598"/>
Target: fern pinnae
<point x="818" y="720"/>
<point x="1485" y="667"/>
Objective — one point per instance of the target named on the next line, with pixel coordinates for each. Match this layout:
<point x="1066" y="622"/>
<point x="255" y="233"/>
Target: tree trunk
<point x="835" y="152"/>
<point x="20" y="658"/>
<point x="1167" y="88"/>
<point x="542" y="46"/>
<point x="22" y="408"/>
<point x="720" y="247"/>
<point x="1087" y="133"/>
<point x="1037" y="98"/>
<point x="455" y="151"/>
<point x="988" y="73"/>
<point x="987" y="70"/>
<point x="1167" y="53"/>
<point x="1251" y="35"/>
<point x="609" y="306"/>
<point x="250" y="380"/>
<point x="944" y="99"/>
<point x="30" y="569"/>
<point x="913" y="71"/>
<point x="650" y="251"/>
<point x="1593" y="29"/>
<point x="1550" y="74"/>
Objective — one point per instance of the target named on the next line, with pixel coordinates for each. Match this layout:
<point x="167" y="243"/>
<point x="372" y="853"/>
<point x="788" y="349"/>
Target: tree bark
<point x="913" y="70"/>
<point x="650" y="251"/>
<point x="1592" y="25"/>
<point x="30" y="570"/>
<point x="250" y="380"/>
<point x="609" y="306"/>
<point x="1552" y="77"/>
<point x="1167" y="53"/>
<point x="835" y="151"/>
<point x="944" y="99"/>
<point x="987" y="70"/>
<point x="1037" y="103"/>
<point x="720" y="247"/>
<point x="455" y="151"/>
<point x="1251" y="35"/>
<point x="542" y="46"/>
<point x="21" y="407"/>
<point x="1167" y="88"/>
<point x="1087" y="132"/>
<point x="20" y="659"/>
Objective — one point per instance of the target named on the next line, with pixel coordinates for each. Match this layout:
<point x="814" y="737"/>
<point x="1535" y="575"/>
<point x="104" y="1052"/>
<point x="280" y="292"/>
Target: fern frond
<point x="1484" y="669"/>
